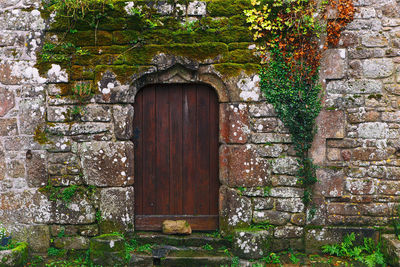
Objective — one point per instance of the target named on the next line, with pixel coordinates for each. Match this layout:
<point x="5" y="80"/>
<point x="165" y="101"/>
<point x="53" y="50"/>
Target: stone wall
<point x="41" y="143"/>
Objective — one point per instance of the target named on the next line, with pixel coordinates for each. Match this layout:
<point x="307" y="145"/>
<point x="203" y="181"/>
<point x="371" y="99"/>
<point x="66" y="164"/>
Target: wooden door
<point x="176" y="156"/>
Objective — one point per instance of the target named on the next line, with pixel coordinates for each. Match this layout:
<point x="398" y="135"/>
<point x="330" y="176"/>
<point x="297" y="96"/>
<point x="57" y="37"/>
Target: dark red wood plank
<point x="149" y="151"/>
<point x="202" y="151"/>
<point x="214" y="153"/>
<point x="189" y="152"/>
<point x="162" y="154"/>
<point x="176" y="149"/>
<point x="138" y="143"/>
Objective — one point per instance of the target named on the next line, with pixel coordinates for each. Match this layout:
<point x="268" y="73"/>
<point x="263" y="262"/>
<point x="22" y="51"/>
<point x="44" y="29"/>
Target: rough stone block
<point x="170" y="227"/>
<point x="263" y="203"/>
<point x="285" y="165"/>
<point x="264" y="125"/>
<point x="123" y="122"/>
<point x="15" y="168"/>
<point x="286" y="192"/>
<point x="36" y="169"/>
<point x="390" y="188"/>
<point x="235" y="210"/>
<point x="262" y="138"/>
<point x="27" y="207"/>
<point x="298" y="219"/>
<point x="252" y="245"/>
<point x="37" y="236"/>
<point x="71" y="242"/>
<point x="330" y="183"/>
<point x="290" y="204"/>
<point x="372" y="154"/>
<point x="270" y="151"/>
<point x="7" y="101"/>
<point x="107" y="250"/>
<point x="288" y="231"/>
<point x="107" y="163"/>
<point x="360" y="186"/>
<point x="117" y="208"/>
<point x="271" y="216"/>
<point x="378" y="68"/>
<point x="240" y="166"/>
<point x="331" y="124"/>
<point x="8" y="127"/>
<point x="374" y="40"/>
<point x="80" y="210"/>
<point x="373" y="130"/>
<point x="31" y="113"/>
<point x="234" y="123"/>
<point x="261" y="110"/>
<point x="197" y="8"/>
<point x="391" y="116"/>
<point x="284" y="244"/>
<point x="333" y="64"/>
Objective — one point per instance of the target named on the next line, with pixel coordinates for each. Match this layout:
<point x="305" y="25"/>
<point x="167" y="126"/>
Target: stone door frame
<point x="178" y="70"/>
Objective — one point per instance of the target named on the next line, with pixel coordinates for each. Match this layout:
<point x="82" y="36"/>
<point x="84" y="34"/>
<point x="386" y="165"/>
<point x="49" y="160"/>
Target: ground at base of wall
<point x="286" y="259"/>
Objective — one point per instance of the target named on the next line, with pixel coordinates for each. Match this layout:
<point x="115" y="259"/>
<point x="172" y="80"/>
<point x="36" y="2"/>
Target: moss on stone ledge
<point x="233" y="69"/>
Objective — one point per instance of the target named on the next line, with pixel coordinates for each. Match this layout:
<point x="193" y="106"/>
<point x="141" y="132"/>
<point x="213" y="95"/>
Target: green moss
<point x="218" y="8"/>
<point x="111" y="23"/>
<point x="81" y="73"/>
<point x="241" y="56"/>
<point x="21" y="252"/>
<point x="123" y="73"/>
<point x="109" y="227"/>
<point x="198" y="51"/>
<point x="233" y="69"/>
<point x="89" y="38"/>
<point x="125" y="37"/>
<point x="239" y="45"/>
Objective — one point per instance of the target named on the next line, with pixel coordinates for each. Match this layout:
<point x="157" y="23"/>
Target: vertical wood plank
<point x="176" y="151"/>
<point x="214" y="150"/>
<point x="149" y="151"/>
<point x="202" y="151"/>
<point x="189" y="142"/>
<point x="162" y="154"/>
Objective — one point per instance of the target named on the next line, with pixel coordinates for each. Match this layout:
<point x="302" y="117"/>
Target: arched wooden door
<point x="176" y="156"/>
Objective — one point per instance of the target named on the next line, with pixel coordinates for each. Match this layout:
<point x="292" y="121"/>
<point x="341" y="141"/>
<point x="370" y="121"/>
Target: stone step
<point x="173" y="256"/>
<point x="193" y="240"/>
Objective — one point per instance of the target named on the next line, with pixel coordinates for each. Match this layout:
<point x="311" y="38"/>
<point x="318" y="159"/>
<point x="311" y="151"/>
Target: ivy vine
<point x="288" y="37"/>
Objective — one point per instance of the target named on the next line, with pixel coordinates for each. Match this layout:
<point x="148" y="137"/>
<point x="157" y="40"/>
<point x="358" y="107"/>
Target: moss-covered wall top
<point x="125" y="38"/>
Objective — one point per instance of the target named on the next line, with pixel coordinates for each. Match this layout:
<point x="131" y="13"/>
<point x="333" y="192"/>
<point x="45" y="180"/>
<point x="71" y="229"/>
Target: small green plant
<point x="55" y="252"/>
<point x="292" y="256"/>
<point x="56" y="193"/>
<point x="241" y="189"/>
<point x="215" y="234"/>
<point x="82" y="92"/>
<point x="61" y="233"/>
<point x="77" y="9"/>
<point x="207" y="247"/>
<point x="145" y="248"/>
<point x="133" y="245"/>
<point x="368" y="253"/>
<point x="260" y="226"/>
<point x="99" y="218"/>
<point x="272" y="258"/>
<point x="267" y="191"/>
